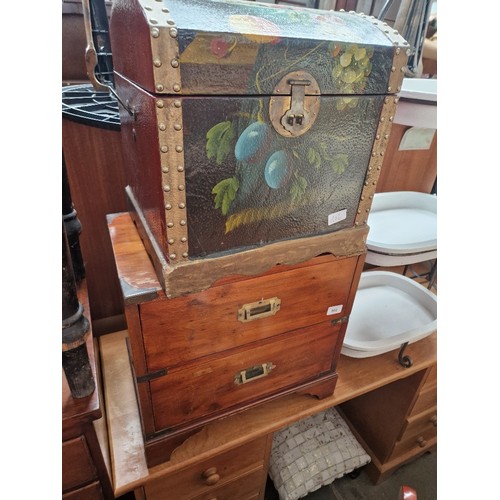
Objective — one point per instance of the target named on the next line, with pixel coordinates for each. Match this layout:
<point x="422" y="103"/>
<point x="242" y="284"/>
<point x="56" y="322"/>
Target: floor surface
<point x="420" y="474"/>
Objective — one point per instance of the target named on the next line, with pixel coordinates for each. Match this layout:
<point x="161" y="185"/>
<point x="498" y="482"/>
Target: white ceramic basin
<point x="388" y="311"/>
<point x="403" y="228"/>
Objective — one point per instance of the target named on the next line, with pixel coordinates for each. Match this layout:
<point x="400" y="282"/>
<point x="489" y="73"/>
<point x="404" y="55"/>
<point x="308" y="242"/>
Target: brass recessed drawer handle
<point x="253" y="373"/>
<point x="421" y="442"/>
<point x="211" y="477"/>
<point x="257" y="310"/>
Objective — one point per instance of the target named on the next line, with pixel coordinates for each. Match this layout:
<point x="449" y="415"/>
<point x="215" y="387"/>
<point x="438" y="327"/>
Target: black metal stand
<point x="75" y="328"/>
<point x="404" y="360"/>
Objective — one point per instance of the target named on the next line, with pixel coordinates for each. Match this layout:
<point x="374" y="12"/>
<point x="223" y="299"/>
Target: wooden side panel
<point x="414" y="170"/>
<point x="185" y="328"/>
<point x="202" y="389"/>
<point x="93" y="158"/>
<point x="378" y="416"/>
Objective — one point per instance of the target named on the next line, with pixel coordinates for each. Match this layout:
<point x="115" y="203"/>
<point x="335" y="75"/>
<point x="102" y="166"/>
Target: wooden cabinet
<point x="397" y="422"/>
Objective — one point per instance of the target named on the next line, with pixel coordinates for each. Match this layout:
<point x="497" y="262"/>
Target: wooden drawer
<point x="203" y="388"/>
<point x="185" y="328"/>
<point x="426" y="400"/>
<point x="420" y="423"/>
<point x="90" y="492"/>
<point x="239" y="470"/>
<point x="417" y="437"/>
<point x="77" y="465"/>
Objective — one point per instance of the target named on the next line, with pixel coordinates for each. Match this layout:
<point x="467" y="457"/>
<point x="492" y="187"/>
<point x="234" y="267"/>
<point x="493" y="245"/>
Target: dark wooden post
<point x="75" y="329"/>
<point x="72" y="226"/>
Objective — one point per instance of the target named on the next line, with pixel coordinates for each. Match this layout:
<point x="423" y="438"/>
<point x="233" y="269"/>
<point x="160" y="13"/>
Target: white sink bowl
<point x="389" y="310"/>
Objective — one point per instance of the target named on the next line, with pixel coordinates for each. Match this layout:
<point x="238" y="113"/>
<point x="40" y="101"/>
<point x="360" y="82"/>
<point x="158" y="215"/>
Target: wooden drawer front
<point x="186" y="328"/>
<point x="426" y="400"/>
<point x="210" y="475"/>
<point x="90" y="492"/>
<point x="415" y="442"/>
<point x="247" y="487"/>
<point x="202" y="389"/>
<point x="420" y="423"/>
<point x="77" y="465"/>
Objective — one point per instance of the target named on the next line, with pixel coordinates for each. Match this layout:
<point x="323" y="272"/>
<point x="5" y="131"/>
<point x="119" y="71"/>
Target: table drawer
<point x="217" y="475"/>
<point x="247" y="487"/>
<point x="240" y="312"/>
<point x="77" y="465"/>
<point x="418" y="441"/>
<point x="242" y="376"/>
<point x="419" y="423"/>
<point x="426" y="400"/>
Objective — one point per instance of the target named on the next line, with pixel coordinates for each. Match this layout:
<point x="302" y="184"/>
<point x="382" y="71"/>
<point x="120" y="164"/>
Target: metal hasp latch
<point x="295" y="104"/>
<point x="297" y="116"/>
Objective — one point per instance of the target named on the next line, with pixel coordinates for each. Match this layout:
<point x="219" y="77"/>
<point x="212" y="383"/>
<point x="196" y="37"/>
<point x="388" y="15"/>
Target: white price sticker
<point x="337" y="216"/>
<point x="334" y="310"/>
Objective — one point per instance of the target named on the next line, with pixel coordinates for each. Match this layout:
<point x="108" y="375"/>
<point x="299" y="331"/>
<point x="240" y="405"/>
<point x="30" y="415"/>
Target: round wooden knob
<point x="211" y="476"/>
<point x="434" y="420"/>
<point x="421" y="442"/>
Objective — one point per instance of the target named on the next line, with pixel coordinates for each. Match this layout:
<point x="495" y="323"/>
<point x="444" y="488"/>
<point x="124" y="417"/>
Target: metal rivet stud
<point x="160" y="104"/>
<point x="173" y="31"/>
<point x="166" y="188"/>
<point x="162" y="126"/>
<point x="157" y="63"/>
<point x="176" y="87"/>
<point x="182" y="223"/>
<point x="181" y="187"/>
<point x="393" y="69"/>
<point x="170" y="224"/>
<point x="159" y="87"/>
<point x="171" y="241"/>
<point x="381" y="153"/>
<point x="185" y="254"/>
<point x="168" y="206"/>
<point x="183" y="239"/>
<point x="165" y="10"/>
<point x="153" y="21"/>
<point x="398" y="50"/>
<point x="377" y="136"/>
<point x="177" y="103"/>
<point x="164" y="149"/>
<point x="389" y="88"/>
<point x="177" y="126"/>
<point x="362" y="198"/>
<point x="155" y="32"/>
<point x="180" y="168"/>
<point x="164" y="170"/>
<point x="182" y="205"/>
<point x="171" y="22"/>
<point x="173" y="256"/>
<point x="178" y="149"/>
<point x="174" y="63"/>
<point x="374" y="154"/>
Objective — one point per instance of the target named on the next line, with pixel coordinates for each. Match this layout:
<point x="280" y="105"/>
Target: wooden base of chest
<point x="242" y="342"/>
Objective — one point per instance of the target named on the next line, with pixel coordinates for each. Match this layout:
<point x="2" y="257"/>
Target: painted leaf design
<point x="339" y="163"/>
<point x="298" y="188"/>
<point x="225" y="193"/>
<point x="219" y="141"/>
<point x="314" y="158"/>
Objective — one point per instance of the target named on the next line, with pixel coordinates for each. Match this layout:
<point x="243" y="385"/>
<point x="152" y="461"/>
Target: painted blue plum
<point x="277" y="170"/>
<point x="251" y="140"/>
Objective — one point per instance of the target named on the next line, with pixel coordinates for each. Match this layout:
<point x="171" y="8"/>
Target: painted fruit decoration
<point x="277" y="170"/>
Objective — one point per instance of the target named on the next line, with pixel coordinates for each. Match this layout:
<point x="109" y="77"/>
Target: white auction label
<point x="334" y="310"/>
<point x="337" y="216"/>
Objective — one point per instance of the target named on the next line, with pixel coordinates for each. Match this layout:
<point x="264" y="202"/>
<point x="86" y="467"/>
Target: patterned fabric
<point x="313" y="453"/>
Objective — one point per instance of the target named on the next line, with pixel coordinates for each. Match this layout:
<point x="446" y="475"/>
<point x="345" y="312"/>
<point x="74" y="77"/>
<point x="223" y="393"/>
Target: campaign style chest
<point x="253" y="138"/>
